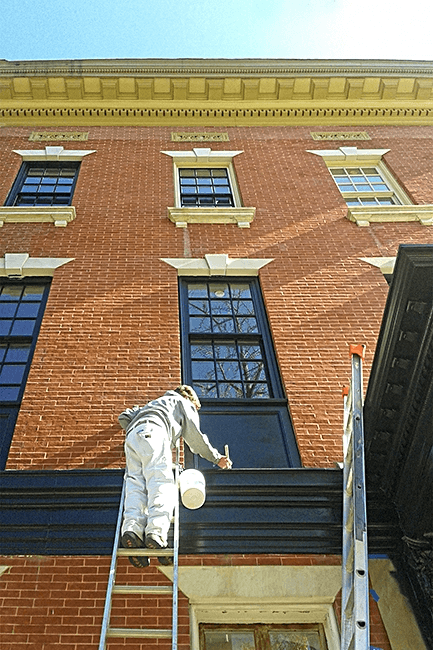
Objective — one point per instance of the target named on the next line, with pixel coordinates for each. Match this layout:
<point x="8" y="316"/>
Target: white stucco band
<point x="19" y="265"/>
<point x="266" y="594"/>
<point x="216" y="264"/>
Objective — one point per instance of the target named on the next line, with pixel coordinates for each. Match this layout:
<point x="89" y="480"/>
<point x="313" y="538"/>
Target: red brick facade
<point x="110" y="333"/>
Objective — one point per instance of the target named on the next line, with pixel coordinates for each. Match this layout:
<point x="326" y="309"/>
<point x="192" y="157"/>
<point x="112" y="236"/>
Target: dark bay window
<point x="22" y="306"/>
<point x="44" y="184"/>
<point x="228" y="358"/>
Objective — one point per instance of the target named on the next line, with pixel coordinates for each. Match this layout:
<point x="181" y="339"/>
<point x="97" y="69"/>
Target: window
<point x="262" y="637"/>
<point x="205" y="187"/>
<point x="44" y="183"/>
<point x="228" y="358"/>
<point x="364" y="186"/>
<point x="206" y="190"/>
<point x="21" y="309"/>
<point x="369" y="189"/>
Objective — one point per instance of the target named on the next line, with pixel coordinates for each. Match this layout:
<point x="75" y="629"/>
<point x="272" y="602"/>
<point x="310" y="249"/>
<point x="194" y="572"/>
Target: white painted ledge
<point x="60" y="216"/>
<point x="183" y="216"/>
<point x="363" y="216"/>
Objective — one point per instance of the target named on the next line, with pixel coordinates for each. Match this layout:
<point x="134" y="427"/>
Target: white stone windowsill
<point x="183" y="216"/>
<point x="363" y="215"/>
<point x="59" y="215"/>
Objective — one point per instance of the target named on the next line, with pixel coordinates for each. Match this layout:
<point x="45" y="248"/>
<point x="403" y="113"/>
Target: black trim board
<point x="74" y="512"/>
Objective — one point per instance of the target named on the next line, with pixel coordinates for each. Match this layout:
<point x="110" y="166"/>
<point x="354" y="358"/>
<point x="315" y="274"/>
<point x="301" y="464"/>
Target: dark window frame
<point x="15" y="194"/>
<point x="263" y="335"/>
<point x="9" y="408"/>
<point x="211" y="199"/>
<point x="271" y="415"/>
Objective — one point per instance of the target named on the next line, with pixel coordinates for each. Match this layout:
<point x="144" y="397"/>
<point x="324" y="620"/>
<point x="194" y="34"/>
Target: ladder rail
<point x="355" y="632"/>
<point x="175" y="605"/>
<point x="112" y="574"/>
<point x="112" y="588"/>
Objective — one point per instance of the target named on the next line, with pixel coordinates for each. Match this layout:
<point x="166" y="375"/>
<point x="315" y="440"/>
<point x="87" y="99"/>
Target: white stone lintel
<point x="217" y="265"/>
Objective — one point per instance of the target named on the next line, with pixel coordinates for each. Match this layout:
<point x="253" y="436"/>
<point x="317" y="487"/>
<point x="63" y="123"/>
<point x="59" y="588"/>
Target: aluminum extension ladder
<point x="113" y="588"/>
<point x="355" y="629"/>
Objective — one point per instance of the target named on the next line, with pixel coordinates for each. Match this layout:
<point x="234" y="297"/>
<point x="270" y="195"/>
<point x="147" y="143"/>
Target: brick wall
<point x="51" y="602"/>
<point x="110" y="335"/>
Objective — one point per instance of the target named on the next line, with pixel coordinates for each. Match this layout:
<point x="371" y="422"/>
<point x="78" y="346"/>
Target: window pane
<point x="246" y="325"/>
<point x="226" y="350"/>
<point x="230" y="391"/>
<point x="243" y="307"/>
<point x="5" y="326"/>
<point x="380" y="188"/>
<point x="228" y="370"/>
<point x="9" y="393"/>
<point x="219" y="173"/>
<point x="18" y="353"/>
<point x="223" y="325"/>
<point x="203" y="370"/>
<point x="3" y="349"/>
<point x="202" y="351"/>
<point x="205" y="389"/>
<point x="12" y="374"/>
<point x="8" y="309"/>
<point x="218" y="290"/>
<point x="215" y="640"/>
<point x="257" y="391"/>
<point x="188" y="173"/>
<point x="23" y="328"/>
<point x="199" y="307"/>
<point x="199" y="324"/>
<point x="294" y="640"/>
<point x="221" y="307"/>
<point x="240" y="290"/>
<point x="253" y="371"/>
<point x="9" y="293"/>
<point x="249" y="352"/>
<point x="197" y="290"/>
<point x="202" y="173"/>
<point x="28" y="310"/>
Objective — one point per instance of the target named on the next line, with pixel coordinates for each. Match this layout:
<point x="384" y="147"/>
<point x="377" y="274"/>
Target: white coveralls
<point x="151" y="433"/>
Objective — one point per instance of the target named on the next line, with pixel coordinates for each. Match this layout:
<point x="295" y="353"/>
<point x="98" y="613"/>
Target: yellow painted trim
<point x="59" y="216"/>
<point x="183" y="216"/>
<point x="215" y="92"/>
<point x="363" y="216"/>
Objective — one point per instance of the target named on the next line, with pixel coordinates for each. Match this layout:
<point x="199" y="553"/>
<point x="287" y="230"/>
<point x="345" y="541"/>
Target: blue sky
<point x="286" y="29"/>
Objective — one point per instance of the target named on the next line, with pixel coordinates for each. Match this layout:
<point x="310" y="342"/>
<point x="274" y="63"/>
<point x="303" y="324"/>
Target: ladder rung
<point x="149" y="552"/>
<point x="142" y="589"/>
<point x="124" y="632"/>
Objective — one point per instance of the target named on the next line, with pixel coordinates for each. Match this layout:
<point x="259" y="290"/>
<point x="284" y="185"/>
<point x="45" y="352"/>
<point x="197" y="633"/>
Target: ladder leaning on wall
<point x="355" y="632"/>
<point x="113" y="588"/>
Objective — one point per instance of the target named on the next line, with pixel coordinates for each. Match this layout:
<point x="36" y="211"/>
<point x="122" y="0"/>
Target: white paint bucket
<point x="192" y="488"/>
